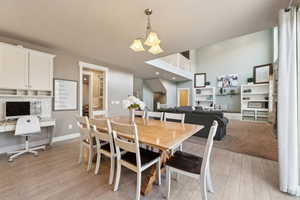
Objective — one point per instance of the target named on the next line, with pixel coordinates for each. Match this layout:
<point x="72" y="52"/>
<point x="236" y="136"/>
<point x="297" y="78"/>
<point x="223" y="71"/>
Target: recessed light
<point x="173" y="78"/>
<point x="157" y="73"/>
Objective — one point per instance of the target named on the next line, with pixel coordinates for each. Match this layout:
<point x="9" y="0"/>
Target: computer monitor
<point x="16" y="109"/>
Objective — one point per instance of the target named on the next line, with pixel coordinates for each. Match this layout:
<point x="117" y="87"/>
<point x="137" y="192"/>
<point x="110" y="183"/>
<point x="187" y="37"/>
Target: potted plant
<point x="132" y="103"/>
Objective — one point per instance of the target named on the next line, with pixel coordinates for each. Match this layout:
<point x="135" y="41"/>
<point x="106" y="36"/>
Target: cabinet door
<point x="13" y="67"/>
<point x="40" y="71"/>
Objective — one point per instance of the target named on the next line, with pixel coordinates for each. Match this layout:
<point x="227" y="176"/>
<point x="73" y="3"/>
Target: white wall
<point x="148" y="97"/>
<point x="238" y="56"/>
<point x="171" y="90"/>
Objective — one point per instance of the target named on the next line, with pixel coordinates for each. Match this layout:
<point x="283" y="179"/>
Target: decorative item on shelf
<point x="250" y="81"/>
<point x="198" y="91"/>
<point x="151" y="39"/>
<point x="262" y="73"/>
<point x="256" y="105"/>
<point x="132" y="103"/>
<point x="246" y="98"/>
<point x="266" y="98"/>
<point x="247" y="91"/>
<point x="199" y="80"/>
<point x="207" y="83"/>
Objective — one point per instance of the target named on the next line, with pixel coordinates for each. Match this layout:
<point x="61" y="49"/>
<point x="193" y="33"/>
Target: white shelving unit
<point x="256" y="101"/>
<point x="205" y="97"/>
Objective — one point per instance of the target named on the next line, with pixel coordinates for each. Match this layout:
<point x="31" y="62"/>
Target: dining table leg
<point x="151" y="177"/>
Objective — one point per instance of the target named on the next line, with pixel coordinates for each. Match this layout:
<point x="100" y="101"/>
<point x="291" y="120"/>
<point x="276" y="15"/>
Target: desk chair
<point x="26" y="126"/>
<point x="194" y="166"/>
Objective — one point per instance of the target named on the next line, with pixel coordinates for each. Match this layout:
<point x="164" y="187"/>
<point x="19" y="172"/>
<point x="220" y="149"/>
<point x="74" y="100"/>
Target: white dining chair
<point x="136" y="158"/>
<point x="86" y="140"/>
<point x="105" y="144"/>
<point x="175" y="117"/>
<point x="193" y="166"/>
<point x="155" y="115"/>
<point x="140" y="113"/>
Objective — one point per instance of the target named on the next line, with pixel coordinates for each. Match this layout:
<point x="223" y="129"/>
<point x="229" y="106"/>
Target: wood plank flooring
<point x="55" y="175"/>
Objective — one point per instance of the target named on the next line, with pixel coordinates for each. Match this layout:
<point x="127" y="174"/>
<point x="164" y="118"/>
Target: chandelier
<point x="151" y="40"/>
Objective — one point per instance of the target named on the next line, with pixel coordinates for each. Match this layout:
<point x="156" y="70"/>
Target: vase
<point x="131" y="115"/>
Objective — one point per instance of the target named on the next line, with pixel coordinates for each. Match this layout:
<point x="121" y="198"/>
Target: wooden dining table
<point x="159" y="135"/>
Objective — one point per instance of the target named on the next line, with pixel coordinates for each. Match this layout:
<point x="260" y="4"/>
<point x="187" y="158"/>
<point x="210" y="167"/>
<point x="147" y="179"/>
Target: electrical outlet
<point x="70" y="126"/>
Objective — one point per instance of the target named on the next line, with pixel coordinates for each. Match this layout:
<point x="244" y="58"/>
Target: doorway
<point x="93" y="90"/>
<point x="183" y="95"/>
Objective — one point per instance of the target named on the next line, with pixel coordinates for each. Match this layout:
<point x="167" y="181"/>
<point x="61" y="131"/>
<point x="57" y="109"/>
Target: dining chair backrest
<point x="155" y="115"/>
<point x="102" y="132"/>
<point x="207" y="151"/>
<point x="174" y="116"/>
<point x="126" y="138"/>
<point x="84" y="127"/>
<point x="139" y="113"/>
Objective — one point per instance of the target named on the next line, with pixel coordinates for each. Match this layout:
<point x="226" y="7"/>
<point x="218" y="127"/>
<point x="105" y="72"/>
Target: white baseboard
<point x="38" y="143"/>
<point x="66" y="137"/>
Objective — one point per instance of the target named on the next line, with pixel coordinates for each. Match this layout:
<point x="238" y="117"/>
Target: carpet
<point x="252" y="138"/>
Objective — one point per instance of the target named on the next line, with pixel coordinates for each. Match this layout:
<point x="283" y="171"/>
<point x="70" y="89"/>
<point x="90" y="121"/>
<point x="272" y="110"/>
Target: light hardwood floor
<point x="55" y="174"/>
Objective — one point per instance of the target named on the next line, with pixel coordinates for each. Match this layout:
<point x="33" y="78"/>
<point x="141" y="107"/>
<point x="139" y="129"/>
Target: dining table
<point x="160" y="136"/>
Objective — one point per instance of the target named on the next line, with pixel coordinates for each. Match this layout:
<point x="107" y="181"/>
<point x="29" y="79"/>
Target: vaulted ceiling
<point x="104" y="29"/>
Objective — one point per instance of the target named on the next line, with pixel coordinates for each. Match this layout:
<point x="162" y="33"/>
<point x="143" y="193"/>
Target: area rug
<point x="252" y="138"/>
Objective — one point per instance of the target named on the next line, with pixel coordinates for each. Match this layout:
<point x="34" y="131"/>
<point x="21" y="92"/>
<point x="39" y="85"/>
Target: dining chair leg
<point x="138" y="185"/>
<point x="112" y="170"/>
<point x="168" y="181"/>
<point x="210" y="187"/>
<point x="98" y="163"/>
<point x="90" y="159"/>
<point x="116" y="187"/>
<point x="158" y="172"/>
<point x="80" y="153"/>
<point x="203" y="189"/>
<point x="180" y="147"/>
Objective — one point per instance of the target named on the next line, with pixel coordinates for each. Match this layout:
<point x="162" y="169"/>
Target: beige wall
<point x="120" y="85"/>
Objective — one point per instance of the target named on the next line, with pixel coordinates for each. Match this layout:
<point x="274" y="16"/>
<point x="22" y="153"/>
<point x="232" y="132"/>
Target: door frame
<point x="90" y="74"/>
<point x="178" y="95"/>
<point x="99" y="68"/>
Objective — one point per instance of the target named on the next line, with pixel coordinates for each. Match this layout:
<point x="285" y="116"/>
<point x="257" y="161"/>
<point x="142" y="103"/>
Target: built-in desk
<point x="9" y="126"/>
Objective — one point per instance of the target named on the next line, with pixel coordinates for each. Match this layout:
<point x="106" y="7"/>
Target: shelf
<point x="204" y="100"/>
<point x="257" y="109"/>
<point x="256" y="93"/>
<point x="255" y="100"/>
<point x="256" y="85"/>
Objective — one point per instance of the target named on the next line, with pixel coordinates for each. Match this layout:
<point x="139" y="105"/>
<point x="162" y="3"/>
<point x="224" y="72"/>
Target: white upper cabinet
<point x="40" y="70"/>
<point x="22" y="68"/>
<point x="13" y="67"/>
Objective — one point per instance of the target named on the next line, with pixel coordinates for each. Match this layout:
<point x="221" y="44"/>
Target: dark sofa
<point x="202" y="117"/>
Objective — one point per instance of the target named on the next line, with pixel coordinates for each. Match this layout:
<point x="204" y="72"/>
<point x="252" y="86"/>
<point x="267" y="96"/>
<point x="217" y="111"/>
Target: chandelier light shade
<point x="137" y="45"/>
<point x="155" y="49"/>
<point x="150" y="40"/>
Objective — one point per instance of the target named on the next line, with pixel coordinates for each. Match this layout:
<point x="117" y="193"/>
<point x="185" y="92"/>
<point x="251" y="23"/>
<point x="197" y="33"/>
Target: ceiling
<point x="104" y="29"/>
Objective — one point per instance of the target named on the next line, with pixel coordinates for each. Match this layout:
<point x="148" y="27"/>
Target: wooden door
<point x="40" y="71"/>
<point x="183" y="97"/>
<point x="13" y="67"/>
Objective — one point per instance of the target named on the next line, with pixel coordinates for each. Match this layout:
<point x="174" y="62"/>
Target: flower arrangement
<point x="133" y="103"/>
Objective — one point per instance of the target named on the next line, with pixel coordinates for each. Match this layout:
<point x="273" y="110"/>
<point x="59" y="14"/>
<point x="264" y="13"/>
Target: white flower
<point x="132" y="100"/>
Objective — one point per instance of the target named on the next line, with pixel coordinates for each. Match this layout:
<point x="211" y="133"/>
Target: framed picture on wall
<point x="199" y="80"/>
<point x="65" y="95"/>
<point x="261" y="73"/>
